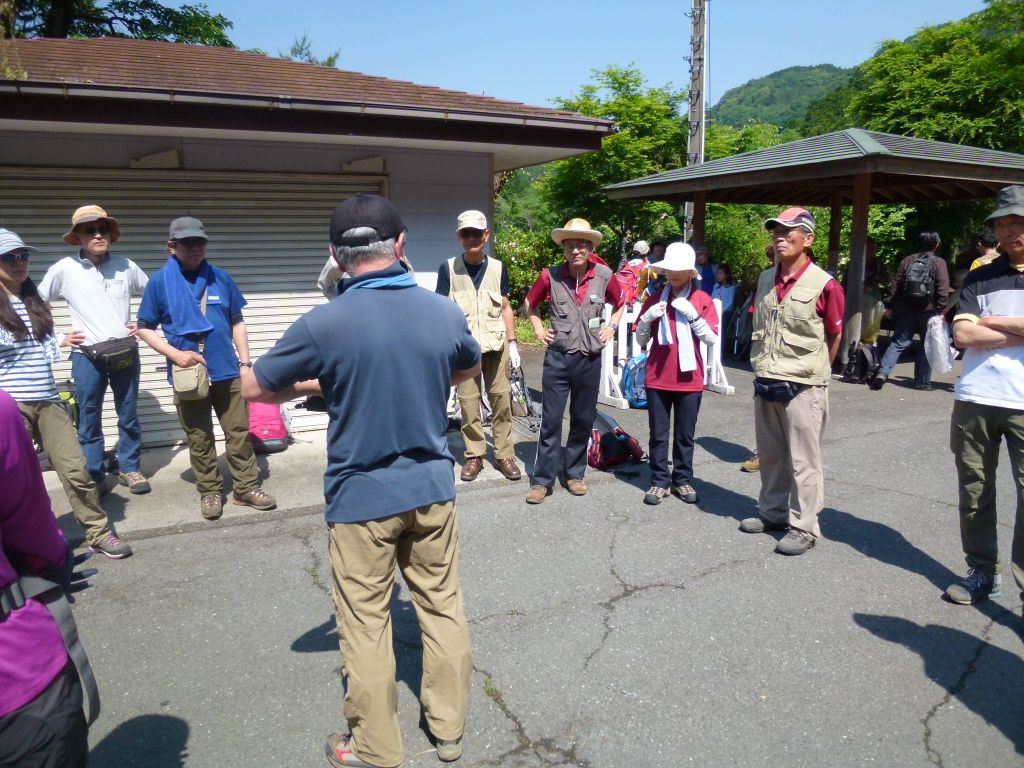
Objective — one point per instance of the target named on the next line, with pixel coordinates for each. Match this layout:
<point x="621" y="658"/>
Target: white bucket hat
<point x="679" y="257"/>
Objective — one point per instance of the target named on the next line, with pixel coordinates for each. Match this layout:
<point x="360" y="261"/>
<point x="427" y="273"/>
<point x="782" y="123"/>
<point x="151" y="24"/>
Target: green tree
<point x="651" y="138"/>
<point x="961" y="82"/>
<point x="780" y="97"/>
<point x="144" y="19"/>
<point x="302" y="50"/>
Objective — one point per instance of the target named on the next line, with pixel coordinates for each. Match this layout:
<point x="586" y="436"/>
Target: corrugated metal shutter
<point x="268" y="231"/>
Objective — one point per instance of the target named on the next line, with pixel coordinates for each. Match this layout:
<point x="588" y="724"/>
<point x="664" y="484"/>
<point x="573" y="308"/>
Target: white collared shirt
<point x="99" y="298"/>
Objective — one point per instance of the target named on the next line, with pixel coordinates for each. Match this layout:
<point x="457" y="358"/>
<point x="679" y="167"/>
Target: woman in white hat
<point x="676" y="319"/>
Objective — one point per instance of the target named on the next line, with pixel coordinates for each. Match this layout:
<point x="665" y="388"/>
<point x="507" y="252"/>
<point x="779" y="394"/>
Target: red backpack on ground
<point x="610" y="445"/>
<point x="628" y="279"/>
<point x="267" y="428"/>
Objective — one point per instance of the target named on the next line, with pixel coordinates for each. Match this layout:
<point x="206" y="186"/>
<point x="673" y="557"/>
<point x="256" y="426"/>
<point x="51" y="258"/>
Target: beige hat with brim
<point x="577" y="229"/>
<point x="88" y="213"/>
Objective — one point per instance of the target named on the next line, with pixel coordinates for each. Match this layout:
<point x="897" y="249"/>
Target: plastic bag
<point x="938" y="345"/>
<point x="871" y="309"/>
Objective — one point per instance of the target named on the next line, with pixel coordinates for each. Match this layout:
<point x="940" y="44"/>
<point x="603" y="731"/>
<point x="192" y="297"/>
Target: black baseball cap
<point x="372" y="211"/>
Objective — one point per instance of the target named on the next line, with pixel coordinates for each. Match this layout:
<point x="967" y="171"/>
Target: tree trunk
<point x="59" y="18"/>
<point x="8" y="13"/>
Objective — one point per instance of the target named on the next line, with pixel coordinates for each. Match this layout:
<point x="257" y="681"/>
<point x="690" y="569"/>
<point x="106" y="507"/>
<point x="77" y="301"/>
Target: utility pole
<point x="698" y="92"/>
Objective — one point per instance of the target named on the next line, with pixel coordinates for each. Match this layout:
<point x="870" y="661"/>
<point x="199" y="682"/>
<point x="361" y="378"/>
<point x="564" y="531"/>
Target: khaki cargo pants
<point x="50" y="427"/>
<point x="494" y="369"/>
<point x="424" y="543"/>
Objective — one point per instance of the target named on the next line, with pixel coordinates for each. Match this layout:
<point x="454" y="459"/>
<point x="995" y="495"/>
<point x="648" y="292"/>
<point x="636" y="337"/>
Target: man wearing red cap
<point x="798" y="323"/>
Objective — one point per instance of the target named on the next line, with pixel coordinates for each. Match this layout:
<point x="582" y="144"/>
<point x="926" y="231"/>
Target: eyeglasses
<point x="471" y="234"/>
<point x="103" y="229"/>
<point x="15" y="256"/>
<point x="189" y="242"/>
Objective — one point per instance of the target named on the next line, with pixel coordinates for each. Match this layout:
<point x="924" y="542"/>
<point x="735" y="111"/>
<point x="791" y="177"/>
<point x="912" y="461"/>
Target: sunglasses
<point x="103" y="229"/>
<point x="189" y="242"/>
<point x="471" y="234"/>
<point x="15" y="256"/>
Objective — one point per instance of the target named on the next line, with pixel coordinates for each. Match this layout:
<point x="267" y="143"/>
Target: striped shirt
<point x="25" y="372"/>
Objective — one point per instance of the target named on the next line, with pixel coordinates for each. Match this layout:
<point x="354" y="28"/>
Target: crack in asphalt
<point x="544" y="749"/>
<point x="316" y="561"/>
<point x="933" y="754"/>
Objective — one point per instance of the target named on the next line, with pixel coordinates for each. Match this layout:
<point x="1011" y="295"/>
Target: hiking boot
<point x="449" y="750"/>
<point x="924" y="387"/>
<point x="537" y="494"/>
<point x="256" y="498"/>
<point x="878" y="381"/>
<point x="655" y="495"/>
<point x="760" y="525"/>
<point x="508" y="468"/>
<point x="975" y="586"/>
<point x="135" y="481"/>
<point x="111" y="547"/>
<point x="753" y="464"/>
<point x="685" y="492"/>
<point x="340" y="754"/>
<point x="796" y="542"/>
<point x="471" y="468"/>
<point x="211" y="506"/>
<point x="576" y="487"/>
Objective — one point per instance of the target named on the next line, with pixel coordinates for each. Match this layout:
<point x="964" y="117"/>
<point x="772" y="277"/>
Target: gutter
<point x="88" y="90"/>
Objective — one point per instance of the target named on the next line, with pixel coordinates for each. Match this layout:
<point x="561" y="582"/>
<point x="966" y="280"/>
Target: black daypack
<point x="863" y="363"/>
<point x="919" y="282"/>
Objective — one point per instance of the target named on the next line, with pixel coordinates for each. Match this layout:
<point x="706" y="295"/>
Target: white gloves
<point x="652" y="314"/>
<point x="686" y="308"/>
<point x="513" y="354"/>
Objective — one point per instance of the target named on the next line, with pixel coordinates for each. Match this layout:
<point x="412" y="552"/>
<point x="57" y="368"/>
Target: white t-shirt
<point x="98" y="297"/>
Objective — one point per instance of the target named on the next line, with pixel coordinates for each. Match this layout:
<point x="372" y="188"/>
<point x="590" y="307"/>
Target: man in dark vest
<point x="577" y="291"/>
<point x="478" y="284"/>
<point x="798" y="323"/>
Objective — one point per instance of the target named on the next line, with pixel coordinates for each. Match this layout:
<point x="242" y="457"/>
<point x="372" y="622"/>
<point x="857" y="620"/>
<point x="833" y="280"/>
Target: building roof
<point x="120" y="70"/>
<point x="808" y="171"/>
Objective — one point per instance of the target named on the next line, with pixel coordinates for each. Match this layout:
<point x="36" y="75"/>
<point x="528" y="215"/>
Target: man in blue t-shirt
<point x="383" y="353"/>
<point x="199" y="308"/>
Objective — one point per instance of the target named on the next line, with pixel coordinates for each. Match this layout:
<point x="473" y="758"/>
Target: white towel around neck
<point x="687" y="357"/>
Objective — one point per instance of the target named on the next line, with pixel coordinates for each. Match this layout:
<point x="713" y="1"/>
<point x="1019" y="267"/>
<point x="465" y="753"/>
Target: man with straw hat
<point x="989" y="401"/>
<point x="98" y="287"/>
<point x="577" y="290"/>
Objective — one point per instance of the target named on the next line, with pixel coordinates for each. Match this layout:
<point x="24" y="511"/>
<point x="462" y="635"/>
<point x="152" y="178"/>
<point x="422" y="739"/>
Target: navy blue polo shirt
<point x="224" y="303"/>
<point x="384" y="358"/>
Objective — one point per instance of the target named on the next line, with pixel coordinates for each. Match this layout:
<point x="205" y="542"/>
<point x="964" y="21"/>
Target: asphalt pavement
<point x="606" y="633"/>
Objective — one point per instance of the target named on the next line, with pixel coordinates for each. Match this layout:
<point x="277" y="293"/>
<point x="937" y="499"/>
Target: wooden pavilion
<point x="850" y="167"/>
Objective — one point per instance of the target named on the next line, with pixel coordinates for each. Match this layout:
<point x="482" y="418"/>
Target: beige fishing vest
<point x="788" y="340"/>
<point x="483" y="307"/>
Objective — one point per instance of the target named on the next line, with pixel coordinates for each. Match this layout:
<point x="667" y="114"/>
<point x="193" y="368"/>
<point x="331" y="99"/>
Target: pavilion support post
<point x="835" y="229"/>
<point x="858" y="251"/>
<point x="699" y="213"/>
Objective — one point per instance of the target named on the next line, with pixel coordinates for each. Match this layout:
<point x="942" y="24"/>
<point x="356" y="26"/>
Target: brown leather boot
<point x="537" y="494"/>
<point x="508" y="468"/>
<point x="471" y="468"/>
<point x="576" y="487"/>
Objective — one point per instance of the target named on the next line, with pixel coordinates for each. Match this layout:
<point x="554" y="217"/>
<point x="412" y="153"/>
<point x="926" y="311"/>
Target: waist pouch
<point x="192" y="383"/>
<point x="113" y="354"/>
<point x="775" y="391"/>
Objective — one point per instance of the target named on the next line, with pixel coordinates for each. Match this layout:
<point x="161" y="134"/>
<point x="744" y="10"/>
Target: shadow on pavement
<point x="880" y="542"/>
<point x="950" y="658"/>
<point x="155" y="741"/>
<point x="724" y="450"/>
<point x="716" y="500"/>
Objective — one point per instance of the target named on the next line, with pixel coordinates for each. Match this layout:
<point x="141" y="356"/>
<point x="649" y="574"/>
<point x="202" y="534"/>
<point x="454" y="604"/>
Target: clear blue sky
<point x="534" y="50"/>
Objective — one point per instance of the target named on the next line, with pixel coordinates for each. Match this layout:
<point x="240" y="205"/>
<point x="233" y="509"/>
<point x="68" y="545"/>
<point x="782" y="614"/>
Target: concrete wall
<point x="430" y="188"/>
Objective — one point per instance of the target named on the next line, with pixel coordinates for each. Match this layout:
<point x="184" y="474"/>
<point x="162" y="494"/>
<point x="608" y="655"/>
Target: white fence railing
<point x="624" y="346"/>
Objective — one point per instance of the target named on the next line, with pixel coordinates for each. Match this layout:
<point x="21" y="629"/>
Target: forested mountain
<point x="781" y="98"/>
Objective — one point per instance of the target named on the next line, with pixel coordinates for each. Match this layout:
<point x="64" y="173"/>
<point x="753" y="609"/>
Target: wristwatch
<point x="247" y="365"/>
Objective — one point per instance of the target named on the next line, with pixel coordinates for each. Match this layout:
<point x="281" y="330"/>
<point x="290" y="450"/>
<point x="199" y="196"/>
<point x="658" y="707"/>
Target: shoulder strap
<point x="51" y="594"/>
<point x="202" y="308"/>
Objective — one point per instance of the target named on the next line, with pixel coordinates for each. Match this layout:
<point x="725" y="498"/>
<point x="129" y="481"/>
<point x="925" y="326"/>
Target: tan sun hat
<point x="88" y="213"/>
<point x="577" y="229"/>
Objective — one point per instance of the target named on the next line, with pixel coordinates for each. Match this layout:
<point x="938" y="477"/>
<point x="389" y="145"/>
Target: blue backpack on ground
<point x="634" y="376"/>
